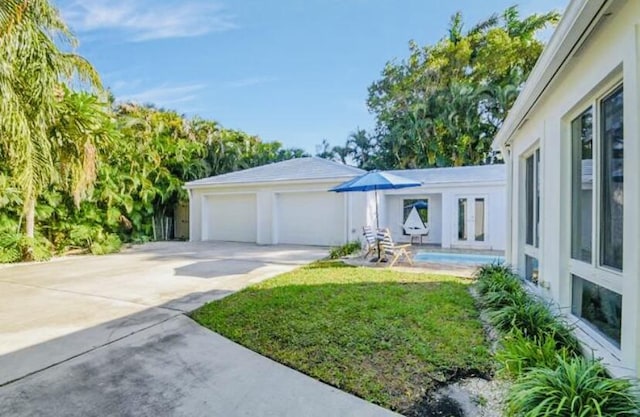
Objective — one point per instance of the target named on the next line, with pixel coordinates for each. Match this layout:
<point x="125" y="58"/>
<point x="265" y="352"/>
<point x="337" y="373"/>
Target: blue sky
<point x="296" y="71"/>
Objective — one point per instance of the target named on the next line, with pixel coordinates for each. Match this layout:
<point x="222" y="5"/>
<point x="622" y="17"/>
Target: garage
<point x="311" y="218"/>
<point x="286" y="202"/>
<point x="231" y="217"/>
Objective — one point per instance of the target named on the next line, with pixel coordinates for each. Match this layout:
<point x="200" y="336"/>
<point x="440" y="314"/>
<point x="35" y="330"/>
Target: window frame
<point x="532" y="250"/>
<point x="594" y="271"/>
<point x="471" y="198"/>
<point x="418" y="198"/>
<point x="605" y="276"/>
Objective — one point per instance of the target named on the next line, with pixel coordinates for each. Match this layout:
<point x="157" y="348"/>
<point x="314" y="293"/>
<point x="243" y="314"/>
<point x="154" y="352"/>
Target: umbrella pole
<point x="377" y="221"/>
<point x="377" y="225"/>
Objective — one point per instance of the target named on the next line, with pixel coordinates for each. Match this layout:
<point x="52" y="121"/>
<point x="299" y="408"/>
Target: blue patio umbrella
<point x="374" y="181"/>
<point x="418" y="205"/>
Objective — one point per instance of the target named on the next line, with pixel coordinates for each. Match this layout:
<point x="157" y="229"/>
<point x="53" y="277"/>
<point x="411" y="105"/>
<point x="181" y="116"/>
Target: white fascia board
<point x="576" y="23"/>
<point x="268" y="182"/>
<point x="447" y="185"/>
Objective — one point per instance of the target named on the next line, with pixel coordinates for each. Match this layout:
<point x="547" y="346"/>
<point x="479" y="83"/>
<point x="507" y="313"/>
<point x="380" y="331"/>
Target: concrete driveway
<point x="96" y="336"/>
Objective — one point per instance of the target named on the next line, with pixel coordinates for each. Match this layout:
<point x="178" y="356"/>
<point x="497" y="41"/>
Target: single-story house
<point x="289" y="202"/>
<point x="573" y="177"/>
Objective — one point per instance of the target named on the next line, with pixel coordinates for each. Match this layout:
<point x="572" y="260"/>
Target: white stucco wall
<point x="443" y="212"/>
<point x="609" y="56"/>
<point x="358" y="209"/>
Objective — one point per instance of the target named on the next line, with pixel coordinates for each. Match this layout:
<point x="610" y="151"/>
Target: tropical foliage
<point x="443" y="104"/>
<point x="78" y="171"/>
<point x="540" y="354"/>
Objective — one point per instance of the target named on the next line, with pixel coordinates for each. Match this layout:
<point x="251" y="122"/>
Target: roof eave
<point x="268" y="182"/>
<point x="576" y="24"/>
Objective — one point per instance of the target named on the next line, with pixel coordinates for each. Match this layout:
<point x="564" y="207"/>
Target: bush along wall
<point x="540" y="355"/>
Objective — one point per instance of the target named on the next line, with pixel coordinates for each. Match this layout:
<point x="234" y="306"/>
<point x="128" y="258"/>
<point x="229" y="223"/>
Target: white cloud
<point x="249" y="82"/>
<point x="165" y="95"/>
<point x="145" y="20"/>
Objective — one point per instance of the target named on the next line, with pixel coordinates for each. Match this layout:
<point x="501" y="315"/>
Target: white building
<point x="572" y="151"/>
<point x="289" y="203"/>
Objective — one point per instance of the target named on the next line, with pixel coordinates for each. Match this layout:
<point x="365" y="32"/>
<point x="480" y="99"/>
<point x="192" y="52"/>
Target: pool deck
<point x="459" y="270"/>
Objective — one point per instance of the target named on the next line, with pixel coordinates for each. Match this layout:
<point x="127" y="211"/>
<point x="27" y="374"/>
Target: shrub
<point x="520" y="353"/>
<point x="498" y="280"/>
<point x="110" y="243"/>
<point x="576" y="387"/>
<point x="15" y="247"/>
<point x="495" y="300"/>
<point x="489" y="270"/>
<point x="534" y="319"/>
<point x="344" y="250"/>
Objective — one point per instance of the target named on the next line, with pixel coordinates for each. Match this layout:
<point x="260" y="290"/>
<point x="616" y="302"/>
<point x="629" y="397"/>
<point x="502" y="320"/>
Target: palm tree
<point x="33" y="76"/>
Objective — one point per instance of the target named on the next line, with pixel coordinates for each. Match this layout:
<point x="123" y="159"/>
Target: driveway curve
<point x="100" y="336"/>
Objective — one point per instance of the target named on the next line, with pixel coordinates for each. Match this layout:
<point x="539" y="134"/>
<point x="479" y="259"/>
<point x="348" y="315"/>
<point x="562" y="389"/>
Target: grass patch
<point x="385" y="336"/>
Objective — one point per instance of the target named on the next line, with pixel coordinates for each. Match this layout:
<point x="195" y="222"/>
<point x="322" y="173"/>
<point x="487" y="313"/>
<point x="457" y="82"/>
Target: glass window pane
<point x="479" y="220"/>
<point x="462" y="219"/>
<point x="529" y="199"/>
<point x="582" y="186"/>
<point x="599" y="307"/>
<point x="537" y="199"/>
<point x="421" y="206"/>
<point x="612" y="180"/>
<point x="531" y="269"/>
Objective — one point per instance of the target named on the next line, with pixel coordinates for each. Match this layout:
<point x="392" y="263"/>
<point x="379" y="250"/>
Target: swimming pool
<point x="471" y="259"/>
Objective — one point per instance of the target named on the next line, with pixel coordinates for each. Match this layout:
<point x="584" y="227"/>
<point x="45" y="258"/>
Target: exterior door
<point x="471" y="225"/>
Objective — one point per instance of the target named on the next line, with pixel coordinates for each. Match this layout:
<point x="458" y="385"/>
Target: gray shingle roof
<point x="469" y="174"/>
<point x="299" y="169"/>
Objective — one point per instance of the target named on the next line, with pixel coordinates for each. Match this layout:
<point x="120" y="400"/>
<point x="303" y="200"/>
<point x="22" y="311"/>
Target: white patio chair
<point x="371" y="241"/>
<point x="392" y="251"/>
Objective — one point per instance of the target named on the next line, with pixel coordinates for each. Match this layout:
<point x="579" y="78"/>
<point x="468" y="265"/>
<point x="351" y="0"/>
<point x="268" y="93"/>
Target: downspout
<point x="506" y="150"/>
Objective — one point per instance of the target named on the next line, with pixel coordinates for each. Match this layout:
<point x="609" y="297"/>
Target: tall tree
<point x="37" y="66"/>
<point x="443" y="104"/>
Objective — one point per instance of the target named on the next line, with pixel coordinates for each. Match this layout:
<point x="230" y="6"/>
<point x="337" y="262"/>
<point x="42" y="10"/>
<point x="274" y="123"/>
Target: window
<point x="421" y="206"/>
<point x="462" y="219"/>
<point x="597" y="207"/>
<point x="599" y="307"/>
<point x="532" y="215"/>
<point x="612" y="204"/>
<point x="531" y="269"/>
<point x="532" y="198"/>
<point x="582" y="186"/>
<point x="479" y="219"/>
<point x="605" y="174"/>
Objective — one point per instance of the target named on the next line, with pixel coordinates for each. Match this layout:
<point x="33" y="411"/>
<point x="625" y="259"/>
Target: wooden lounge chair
<point x="391" y="250"/>
<point x="372" y="242"/>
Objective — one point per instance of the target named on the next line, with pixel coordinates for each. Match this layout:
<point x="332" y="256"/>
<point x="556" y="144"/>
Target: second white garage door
<point x="231" y="217"/>
<point x="314" y="218"/>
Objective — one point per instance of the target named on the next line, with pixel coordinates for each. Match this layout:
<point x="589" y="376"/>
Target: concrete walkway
<point x="101" y="336"/>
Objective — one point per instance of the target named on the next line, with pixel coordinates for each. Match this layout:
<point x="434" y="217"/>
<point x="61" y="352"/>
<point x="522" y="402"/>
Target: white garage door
<point x="311" y="218"/>
<point x="231" y="218"/>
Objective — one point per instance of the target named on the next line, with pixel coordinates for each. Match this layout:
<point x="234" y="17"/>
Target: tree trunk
<point x="30" y="217"/>
<point x="29" y="228"/>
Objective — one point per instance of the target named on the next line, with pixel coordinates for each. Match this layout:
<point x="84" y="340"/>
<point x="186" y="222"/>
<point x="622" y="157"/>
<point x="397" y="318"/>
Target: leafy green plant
<point x="489" y="270"/>
<point x="576" y="387"/>
<point x="10" y="247"/>
<point x="344" y="250"/>
<point x="498" y="279"/>
<point x="534" y="319"/>
<point x="109" y="243"/>
<point x="520" y="353"/>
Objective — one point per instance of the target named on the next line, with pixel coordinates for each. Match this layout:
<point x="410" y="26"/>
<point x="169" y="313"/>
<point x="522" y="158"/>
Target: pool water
<point x="457" y="258"/>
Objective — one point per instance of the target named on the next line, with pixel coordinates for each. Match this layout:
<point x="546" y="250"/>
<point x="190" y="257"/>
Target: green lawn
<point x="385" y="336"/>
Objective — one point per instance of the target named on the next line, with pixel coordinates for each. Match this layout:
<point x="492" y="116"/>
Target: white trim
<point x="328" y="180"/>
<point x="471" y="198"/>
